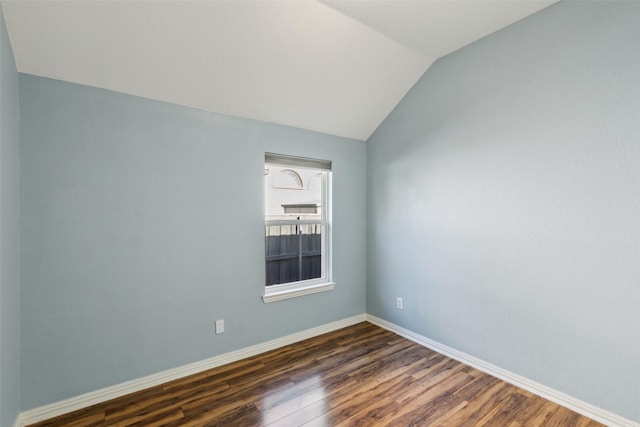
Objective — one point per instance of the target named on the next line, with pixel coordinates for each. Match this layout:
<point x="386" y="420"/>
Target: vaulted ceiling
<point x="337" y="66"/>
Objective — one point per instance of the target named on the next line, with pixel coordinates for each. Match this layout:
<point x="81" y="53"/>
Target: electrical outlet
<point x="399" y="303"/>
<point x="219" y="326"/>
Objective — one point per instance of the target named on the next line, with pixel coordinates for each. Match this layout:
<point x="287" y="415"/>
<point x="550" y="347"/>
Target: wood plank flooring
<point x="358" y="376"/>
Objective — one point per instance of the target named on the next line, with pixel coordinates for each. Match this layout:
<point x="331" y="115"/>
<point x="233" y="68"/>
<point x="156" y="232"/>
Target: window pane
<point x="293" y="252"/>
<point x="293" y="193"/>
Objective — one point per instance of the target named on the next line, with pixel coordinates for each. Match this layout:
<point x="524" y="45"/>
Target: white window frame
<point x="323" y="283"/>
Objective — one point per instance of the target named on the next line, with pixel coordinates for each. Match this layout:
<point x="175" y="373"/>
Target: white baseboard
<point x="583" y="408"/>
<point x="84" y="400"/>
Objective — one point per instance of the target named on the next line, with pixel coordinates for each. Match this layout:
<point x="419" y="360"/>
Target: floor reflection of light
<point x="301" y="399"/>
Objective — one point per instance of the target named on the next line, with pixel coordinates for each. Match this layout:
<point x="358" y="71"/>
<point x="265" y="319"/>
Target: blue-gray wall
<point x="504" y="203"/>
<point x="9" y="234"/>
<point x="143" y="224"/>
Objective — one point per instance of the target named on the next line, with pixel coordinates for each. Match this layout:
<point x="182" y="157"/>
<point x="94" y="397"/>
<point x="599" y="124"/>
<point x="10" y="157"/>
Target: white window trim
<point x="325" y="283"/>
<point x="301" y="288"/>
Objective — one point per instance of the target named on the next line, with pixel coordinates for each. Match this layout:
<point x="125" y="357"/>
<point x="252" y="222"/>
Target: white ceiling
<point x="337" y="67"/>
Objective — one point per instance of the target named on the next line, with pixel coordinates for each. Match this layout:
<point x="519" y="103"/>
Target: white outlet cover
<point x="219" y="326"/>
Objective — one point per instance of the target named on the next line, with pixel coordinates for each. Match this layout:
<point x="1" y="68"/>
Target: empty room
<point x="320" y="213"/>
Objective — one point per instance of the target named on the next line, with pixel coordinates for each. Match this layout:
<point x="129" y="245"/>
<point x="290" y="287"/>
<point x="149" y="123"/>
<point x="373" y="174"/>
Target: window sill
<point x="297" y="292"/>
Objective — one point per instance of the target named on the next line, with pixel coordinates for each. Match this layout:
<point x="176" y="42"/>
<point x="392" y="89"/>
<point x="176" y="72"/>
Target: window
<point x="287" y="179"/>
<point x="297" y="226"/>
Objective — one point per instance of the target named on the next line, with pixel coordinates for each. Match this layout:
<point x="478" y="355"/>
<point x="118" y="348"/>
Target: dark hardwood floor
<point x="358" y="376"/>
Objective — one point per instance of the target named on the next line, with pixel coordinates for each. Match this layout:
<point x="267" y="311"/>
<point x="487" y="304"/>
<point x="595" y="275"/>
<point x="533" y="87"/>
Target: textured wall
<point x="143" y="223"/>
<point x="504" y="197"/>
<point x="9" y="235"/>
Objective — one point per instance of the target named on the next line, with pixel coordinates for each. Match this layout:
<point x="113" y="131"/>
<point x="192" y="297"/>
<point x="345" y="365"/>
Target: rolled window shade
<point x="304" y="162"/>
